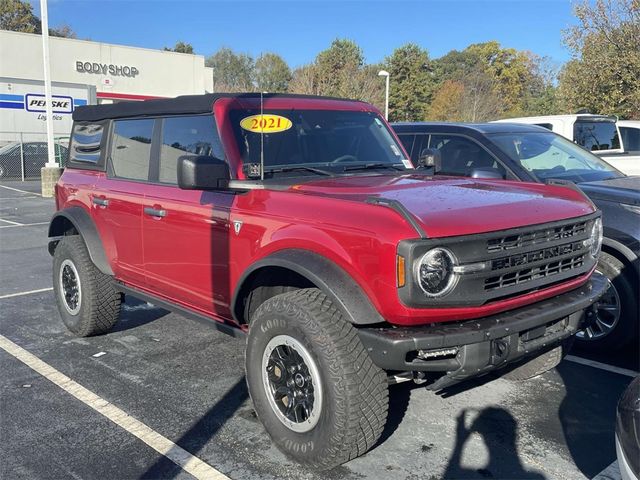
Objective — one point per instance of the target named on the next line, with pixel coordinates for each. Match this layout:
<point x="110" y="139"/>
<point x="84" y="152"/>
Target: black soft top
<point x="185" y="104"/>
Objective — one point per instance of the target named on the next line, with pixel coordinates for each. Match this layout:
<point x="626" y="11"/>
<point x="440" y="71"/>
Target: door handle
<point x="100" y="201"/>
<point x="155" y="212"/>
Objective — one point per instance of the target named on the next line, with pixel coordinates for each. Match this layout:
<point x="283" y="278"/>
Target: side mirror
<point x="487" y="173"/>
<point x="199" y="172"/>
<point x="430" y="157"/>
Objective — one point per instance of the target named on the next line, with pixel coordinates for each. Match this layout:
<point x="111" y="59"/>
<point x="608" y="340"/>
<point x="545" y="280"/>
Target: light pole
<point x="384" y="73"/>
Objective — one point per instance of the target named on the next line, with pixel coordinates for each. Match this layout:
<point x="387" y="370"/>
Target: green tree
<point x="337" y="67"/>
<point x="411" y="83"/>
<point x="181" y="47"/>
<point x="604" y="73"/>
<point x="18" y="16"/>
<point x="272" y="74"/>
<point x="232" y="72"/>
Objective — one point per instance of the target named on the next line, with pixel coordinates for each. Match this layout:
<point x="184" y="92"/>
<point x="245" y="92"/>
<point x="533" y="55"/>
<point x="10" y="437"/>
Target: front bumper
<point x="473" y="347"/>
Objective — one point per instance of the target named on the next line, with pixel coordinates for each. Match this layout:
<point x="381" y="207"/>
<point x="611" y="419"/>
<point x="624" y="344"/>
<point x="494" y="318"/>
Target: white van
<point x="599" y="134"/>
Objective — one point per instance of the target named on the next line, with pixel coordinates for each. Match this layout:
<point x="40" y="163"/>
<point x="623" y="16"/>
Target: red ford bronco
<point x="300" y="223"/>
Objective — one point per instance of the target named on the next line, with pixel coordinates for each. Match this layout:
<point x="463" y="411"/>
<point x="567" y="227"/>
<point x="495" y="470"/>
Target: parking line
<point x="602" y="366"/>
<point x="19" y="294"/>
<point x="23" y="224"/>
<point x="15" y="224"/>
<point x="189" y="463"/>
<point x="17" y="198"/>
<point x="18" y="190"/>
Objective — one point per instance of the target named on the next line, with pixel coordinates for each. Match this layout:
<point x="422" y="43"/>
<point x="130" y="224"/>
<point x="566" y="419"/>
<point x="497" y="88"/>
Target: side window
<point x="630" y="138"/>
<point x="86" y="139"/>
<point x="131" y="148"/>
<point x="596" y="136"/>
<point x="186" y="135"/>
<point x="461" y="156"/>
<point x="419" y="147"/>
<point x="407" y="142"/>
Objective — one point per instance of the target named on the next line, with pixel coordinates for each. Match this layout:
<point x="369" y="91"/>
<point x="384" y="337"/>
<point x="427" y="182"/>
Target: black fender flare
<point x="81" y="221"/>
<point x="337" y="284"/>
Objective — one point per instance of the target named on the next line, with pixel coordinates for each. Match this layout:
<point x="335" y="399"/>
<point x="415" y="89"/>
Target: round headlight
<point x="434" y="272"/>
<point x="596" y="237"/>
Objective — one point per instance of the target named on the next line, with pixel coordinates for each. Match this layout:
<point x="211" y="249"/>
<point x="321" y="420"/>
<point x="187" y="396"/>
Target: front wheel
<point x="313" y="385"/>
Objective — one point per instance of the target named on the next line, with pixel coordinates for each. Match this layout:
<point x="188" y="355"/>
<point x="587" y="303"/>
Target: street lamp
<point x="384" y="73"/>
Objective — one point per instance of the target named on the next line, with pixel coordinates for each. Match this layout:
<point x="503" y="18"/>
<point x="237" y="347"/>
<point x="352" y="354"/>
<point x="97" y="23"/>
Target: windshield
<point x="596" y="135"/>
<point x="336" y="141"/>
<point x="547" y="155"/>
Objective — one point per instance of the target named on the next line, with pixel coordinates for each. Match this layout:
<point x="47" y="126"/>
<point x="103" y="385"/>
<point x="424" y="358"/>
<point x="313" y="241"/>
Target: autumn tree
<point x="232" y="71"/>
<point x="272" y="74"/>
<point x="604" y="72"/>
<point x="446" y="105"/>
<point x="304" y="80"/>
<point x="411" y="83"/>
<point x="181" y="47"/>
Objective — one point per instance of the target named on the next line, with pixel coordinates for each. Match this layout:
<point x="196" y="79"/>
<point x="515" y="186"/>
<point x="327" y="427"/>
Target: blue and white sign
<point x="36" y="102"/>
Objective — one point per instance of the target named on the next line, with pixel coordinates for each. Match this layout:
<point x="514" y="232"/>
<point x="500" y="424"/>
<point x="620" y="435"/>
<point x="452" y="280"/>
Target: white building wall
<point x="159" y="73"/>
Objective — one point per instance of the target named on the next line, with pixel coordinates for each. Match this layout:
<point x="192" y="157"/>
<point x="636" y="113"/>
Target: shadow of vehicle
<point x="135" y="313"/>
<point x="587" y="414"/>
<point x="498" y="430"/>
<point x="201" y="432"/>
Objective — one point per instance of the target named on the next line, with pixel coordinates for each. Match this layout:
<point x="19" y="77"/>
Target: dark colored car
<point x="34" y="155"/>
<point x="300" y="223"/>
<point x="628" y="431"/>
<point x="533" y="154"/>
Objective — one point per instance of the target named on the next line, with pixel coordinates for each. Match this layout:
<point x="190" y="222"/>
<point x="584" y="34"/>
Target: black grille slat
<point x="532" y="273"/>
<point x="535" y="237"/>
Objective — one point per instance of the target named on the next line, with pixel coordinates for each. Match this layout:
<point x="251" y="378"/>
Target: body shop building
<point x="84" y="72"/>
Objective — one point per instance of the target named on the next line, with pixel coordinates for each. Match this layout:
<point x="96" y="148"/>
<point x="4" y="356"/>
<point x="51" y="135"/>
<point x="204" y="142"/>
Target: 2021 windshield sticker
<point x="266" y="123"/>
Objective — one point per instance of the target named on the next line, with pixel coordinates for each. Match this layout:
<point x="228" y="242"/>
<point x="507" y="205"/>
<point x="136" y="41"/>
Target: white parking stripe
<point x="19" y="294"/>
<point x="602" y="366"/>
<point x="24" y="225"/>
<point x="17" y="198"/>
<point x="11" y="222"/>
<point x="612" y="472"/>
<point x="189" y="463"/>
<point x="18" y="190"/>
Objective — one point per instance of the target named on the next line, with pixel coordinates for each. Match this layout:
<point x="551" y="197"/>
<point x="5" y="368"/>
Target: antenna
<point x="261" y="138"/>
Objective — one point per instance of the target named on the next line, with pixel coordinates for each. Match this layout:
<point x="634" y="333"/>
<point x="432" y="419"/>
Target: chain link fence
<point x="22" y="155"/>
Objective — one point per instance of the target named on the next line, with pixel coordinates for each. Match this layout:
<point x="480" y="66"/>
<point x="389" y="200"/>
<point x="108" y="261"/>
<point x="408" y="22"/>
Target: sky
<point x="299" y="30"/>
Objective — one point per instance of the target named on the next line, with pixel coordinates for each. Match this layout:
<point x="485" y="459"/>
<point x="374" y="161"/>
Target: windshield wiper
<point x="319" y="171"/>
<point x="372" y="166"/>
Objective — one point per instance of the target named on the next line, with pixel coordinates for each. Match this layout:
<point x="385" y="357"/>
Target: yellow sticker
<point x="266" y="123"/>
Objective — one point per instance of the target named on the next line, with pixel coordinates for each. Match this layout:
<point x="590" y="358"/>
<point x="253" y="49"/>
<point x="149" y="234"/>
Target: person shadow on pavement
<point x="498" y="429"/>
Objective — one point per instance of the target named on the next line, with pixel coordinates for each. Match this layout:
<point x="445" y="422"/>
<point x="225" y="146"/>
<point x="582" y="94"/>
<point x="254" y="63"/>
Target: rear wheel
<point x="616" y="321"/>
<point x="87" y="299"/>
<point x="313" y="385"/>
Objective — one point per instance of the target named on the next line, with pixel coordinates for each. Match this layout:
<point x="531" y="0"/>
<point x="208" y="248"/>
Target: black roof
<point x="185" y="104"/>
<point x="497" y="127"/>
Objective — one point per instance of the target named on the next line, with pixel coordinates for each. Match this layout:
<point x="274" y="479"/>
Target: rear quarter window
<point x="595" y="136"/>
<point x="85" y="149"/>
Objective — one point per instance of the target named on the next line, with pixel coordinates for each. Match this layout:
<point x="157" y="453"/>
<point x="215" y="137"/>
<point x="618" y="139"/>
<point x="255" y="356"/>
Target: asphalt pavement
<point x="184" y="381"/>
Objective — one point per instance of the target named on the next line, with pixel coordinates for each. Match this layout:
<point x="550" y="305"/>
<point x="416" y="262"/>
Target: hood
<point x="449" y="206"/>
<point x="620" y="190"/>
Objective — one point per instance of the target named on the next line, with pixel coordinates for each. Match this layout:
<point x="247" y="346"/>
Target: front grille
<point x="496" y="266"/>
<point x="528" y="274"/>
<point x="535" y="237"/>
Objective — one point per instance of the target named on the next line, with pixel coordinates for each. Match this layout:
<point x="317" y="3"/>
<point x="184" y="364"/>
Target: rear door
<point x="118" y="197"/>
<point x="185" y="232"/>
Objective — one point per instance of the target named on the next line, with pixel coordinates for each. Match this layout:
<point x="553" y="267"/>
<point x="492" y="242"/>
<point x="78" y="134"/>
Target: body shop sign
<point x="106" y="69"/>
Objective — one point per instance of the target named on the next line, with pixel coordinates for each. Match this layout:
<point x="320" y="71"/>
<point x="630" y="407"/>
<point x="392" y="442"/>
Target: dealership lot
<point x="184" y="382"/>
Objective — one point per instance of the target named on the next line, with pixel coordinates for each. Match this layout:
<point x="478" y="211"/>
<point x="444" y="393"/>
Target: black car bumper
<point x="473" y="347"/>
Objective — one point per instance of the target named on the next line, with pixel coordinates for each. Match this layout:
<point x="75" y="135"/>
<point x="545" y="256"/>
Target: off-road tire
<point x="540" y="364"/>
<point x="625" y="331"/>
<point x="99" y="300"/>
<point x="355" y="392"/>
